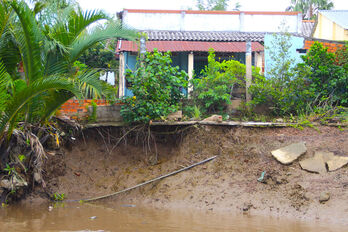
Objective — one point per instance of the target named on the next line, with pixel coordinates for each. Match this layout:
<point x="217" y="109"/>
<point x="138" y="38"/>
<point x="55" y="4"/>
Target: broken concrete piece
<point x="213" y="118"/>
<point x="318" y="162"/>
<point x="323" y="155"/>
<point x="314" y="164"/>
<point x="176" y="116"/>
<point x="288" y="154"/>
<point x="336" y="162"/>
<point x="324" y="196"/>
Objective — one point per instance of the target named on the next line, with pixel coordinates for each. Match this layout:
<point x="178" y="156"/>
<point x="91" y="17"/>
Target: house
<point x="332" y="25"/>
<point x="190" y="34"/>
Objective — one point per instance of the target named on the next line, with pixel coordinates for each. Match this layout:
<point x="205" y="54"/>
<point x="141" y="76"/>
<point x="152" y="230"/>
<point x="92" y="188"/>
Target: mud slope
<point x="229" y="183"/>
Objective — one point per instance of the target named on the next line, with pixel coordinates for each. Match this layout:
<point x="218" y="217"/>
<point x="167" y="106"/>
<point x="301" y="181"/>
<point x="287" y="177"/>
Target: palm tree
<point x="48" y="53"/>
<point x="309" y="8"/>
<point x="212" y="4"/>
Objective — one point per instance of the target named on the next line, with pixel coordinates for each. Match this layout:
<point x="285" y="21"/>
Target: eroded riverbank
<point x="94" y="167"/>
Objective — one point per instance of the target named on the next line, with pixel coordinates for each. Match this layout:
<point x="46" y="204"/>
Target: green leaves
<point x="29" y="39"/>
<point x="16" y="105"/>
<point x="318" y="81"/>
<point x="328" y="76"/>
<point x="213" y="90"/>
<point x="47" y="49"/>
<point x="157" y="88"/>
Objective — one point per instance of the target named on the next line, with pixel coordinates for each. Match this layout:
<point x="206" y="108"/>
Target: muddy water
<point x="85" y="217"/>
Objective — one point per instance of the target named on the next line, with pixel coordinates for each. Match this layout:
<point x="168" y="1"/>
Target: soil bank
<point x="93" y="166"/>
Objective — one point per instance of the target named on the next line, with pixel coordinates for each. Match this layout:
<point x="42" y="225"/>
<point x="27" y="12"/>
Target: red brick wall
<point x="332" y="47"/>
<point x="78" y="109"/>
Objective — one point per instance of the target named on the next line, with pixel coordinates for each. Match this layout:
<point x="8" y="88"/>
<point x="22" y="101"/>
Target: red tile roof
<point x="188" y="46"/>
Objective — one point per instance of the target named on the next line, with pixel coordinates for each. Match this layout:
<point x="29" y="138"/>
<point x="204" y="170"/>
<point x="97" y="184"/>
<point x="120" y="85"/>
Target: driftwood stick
<point x="150" y="181"/>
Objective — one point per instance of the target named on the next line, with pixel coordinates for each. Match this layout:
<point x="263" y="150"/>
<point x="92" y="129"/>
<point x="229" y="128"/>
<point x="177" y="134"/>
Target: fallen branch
<point x="149" y="181"/>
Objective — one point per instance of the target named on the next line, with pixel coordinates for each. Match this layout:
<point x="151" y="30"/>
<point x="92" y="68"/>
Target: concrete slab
<point x="324" y="156"/>
<point x="336" y="162"/>
<point x="314" y="164"/>
<point x="288" y="154"/>
<point x="318" y="162"/>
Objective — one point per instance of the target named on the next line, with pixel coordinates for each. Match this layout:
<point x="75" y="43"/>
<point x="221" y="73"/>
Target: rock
<point x="6" y="184"/>
<point x="279" y="120"/>
<point x="247" y="206"/>
<point x="213" y="118"/>
<point x="132" y="206"/>
<point x="37" y="177"/>
<point x="336" y="162"/>
<point x="176" y="116"/>
<point x="324" y="197"/>
<point x="307" y="196"/>
<point x="288" y="154"/>
<point x="13" y="183"/>
<point x="93" y="217"/>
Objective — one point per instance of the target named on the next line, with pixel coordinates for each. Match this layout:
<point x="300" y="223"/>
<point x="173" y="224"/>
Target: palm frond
<point x="24" y="96"/>
<point x="114" y="30"/>
<point x="89" y="84"/>
<point x="79" y="21"/>
<point x="53" y="101"/>
<point x="8" y="51"/>
<point x="4" y="96"/>
<point x="29" y="39"/>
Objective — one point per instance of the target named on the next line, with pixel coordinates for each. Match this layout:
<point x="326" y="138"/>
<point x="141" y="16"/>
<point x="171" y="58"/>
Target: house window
<point x="301" y="50"/>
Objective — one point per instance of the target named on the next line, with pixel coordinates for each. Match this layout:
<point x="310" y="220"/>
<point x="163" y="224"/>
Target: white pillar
<point x="259" y="60"/>
<point x="248" y="73"/>
<point x="121" y="78"/>
<point x="190" y="71"/>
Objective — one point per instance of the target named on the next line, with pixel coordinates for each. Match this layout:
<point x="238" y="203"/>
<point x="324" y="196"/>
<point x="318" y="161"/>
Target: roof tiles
<point x="307" y="27"/>
<point x="188" y="46"/>
<point x="217" y="36"/>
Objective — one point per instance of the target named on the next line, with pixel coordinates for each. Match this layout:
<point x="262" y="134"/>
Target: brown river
<point x="87" y="217"/>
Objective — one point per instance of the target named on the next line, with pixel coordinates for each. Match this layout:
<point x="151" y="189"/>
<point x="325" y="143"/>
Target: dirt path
<point x="227" y="184"/>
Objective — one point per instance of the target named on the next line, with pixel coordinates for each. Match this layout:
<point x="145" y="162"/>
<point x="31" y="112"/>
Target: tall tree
<point x="212" y="4"/>
<point x="309" y="8"/>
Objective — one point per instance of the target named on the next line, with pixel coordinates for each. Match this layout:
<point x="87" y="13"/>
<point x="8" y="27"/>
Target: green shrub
<point x="327" y="78"/>
<point x="342" y="57"/>
<point x="213" y="91"/>
<point x="157" y="88"/>
<point x="282" y="97"/>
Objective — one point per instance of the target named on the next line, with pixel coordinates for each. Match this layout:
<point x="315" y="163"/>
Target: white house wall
<point x="182" y="21"/>
<point x="155" y="21"/>
<point x="211" y="22"/>
<point x="269" y="23"/>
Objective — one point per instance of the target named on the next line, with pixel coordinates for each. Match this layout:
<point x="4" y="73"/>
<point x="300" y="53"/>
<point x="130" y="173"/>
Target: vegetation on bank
<point x="315" y="89"/>
<point x="39" y="71"/>
<point x="157" y="87"/>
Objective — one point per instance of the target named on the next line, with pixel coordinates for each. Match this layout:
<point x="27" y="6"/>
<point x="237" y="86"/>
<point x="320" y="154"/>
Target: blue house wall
<point x="296" y="43"/>
<point x="180" y="59"/>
